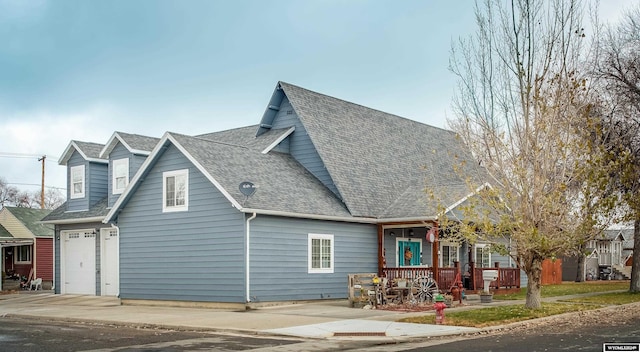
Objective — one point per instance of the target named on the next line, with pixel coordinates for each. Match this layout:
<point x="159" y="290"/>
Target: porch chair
<point x="35" y="284"/>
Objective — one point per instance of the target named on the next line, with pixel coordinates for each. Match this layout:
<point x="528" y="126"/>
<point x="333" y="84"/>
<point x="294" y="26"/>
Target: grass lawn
<point x="498" y="315"/>
<point x="501" y="314"/>
<point x="569" y="288"/>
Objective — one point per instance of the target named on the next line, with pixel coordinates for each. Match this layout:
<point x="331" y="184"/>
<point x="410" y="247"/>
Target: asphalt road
<point x="543" y="337"/>
<point x="27" y="335"/>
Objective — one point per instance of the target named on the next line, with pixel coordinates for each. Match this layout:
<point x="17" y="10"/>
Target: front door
<point x="409" y="253"/>
<point x="109" y="262"/>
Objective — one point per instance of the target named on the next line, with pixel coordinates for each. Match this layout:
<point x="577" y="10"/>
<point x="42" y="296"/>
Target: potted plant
<point x="486" y="297"/>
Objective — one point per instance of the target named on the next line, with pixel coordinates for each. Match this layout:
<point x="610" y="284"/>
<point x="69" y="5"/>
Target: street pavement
<point x="330" y="319"/>
<point x="317" y="320"/>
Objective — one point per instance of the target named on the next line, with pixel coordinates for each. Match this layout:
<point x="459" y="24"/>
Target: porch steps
<point x="623" y="271"/>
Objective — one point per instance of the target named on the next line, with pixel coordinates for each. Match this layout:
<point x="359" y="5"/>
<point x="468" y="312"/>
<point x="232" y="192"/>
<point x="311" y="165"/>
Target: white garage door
<point x="79" y="262"/>
<point x="109" y="273"/>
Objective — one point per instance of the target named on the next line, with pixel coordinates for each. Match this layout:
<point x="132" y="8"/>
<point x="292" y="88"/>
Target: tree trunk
<point x="534" y="274"/>
<point x="635" y="266"/>
<point x="580" y="269"/>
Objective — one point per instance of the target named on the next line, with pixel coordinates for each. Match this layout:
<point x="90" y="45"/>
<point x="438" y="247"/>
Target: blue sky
<point x="83" y="69"/>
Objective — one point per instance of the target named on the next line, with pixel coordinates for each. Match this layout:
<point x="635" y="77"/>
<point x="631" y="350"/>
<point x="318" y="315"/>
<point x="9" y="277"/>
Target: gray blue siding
<point x="197" y="255"/>
<point x="279" y="258"/>
<point x="135" y="161"/>
<point x="97" y="182"/>
<point x="300" y="145"/>
<point x="95" y="177"/>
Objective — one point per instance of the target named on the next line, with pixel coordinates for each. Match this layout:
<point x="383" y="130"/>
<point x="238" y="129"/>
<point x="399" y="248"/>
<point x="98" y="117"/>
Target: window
<point x="483" y="255"/>
<point x="176" y="190"/>
<point x="23" y="255"/>
<point x="320" y="253"/>
<point x="449" y="254"/>
<point x="77" y="182"/>
<point x="120" y="175"/>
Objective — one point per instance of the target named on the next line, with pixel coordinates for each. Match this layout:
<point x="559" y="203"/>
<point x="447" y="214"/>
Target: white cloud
<point x="26" y="135"/>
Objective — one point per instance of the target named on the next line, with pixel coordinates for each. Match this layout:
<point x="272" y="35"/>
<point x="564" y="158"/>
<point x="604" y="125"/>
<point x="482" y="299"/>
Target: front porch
<point x="446" y="278"/>
<point x="441" y="258"/>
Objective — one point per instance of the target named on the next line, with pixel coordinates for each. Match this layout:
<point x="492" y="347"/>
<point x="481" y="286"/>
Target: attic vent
<point x="289" y="112"/>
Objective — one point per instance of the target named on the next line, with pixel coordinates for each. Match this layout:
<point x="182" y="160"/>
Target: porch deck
<point x="508" y="278"/>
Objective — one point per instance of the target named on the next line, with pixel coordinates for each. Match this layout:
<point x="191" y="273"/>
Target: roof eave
<point x="73" y="221"/>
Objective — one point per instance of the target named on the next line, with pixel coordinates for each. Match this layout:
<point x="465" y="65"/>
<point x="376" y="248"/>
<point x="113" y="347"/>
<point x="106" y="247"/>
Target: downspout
<point x="247" y="256"/>
<point x="1" y="265"/>
<point x="56" y="234"/>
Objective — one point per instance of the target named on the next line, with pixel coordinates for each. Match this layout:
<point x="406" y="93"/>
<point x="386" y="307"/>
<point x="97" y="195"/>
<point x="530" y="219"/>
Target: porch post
<point x="434" y="250"/>
<point x="380" y="250"/>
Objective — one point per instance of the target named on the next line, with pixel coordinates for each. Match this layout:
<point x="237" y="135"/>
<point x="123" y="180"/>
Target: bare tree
<point x="617" y="73"/>
<point x="520" y="106"/>
<point x="8" y="193"/>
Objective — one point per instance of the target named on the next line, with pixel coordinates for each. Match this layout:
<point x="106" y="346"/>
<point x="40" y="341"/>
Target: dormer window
<point x="77" y="182"/>
<point x="120" y="175"/>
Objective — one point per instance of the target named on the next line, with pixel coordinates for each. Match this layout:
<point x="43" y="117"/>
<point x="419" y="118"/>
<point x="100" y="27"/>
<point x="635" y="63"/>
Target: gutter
<point x="73" y="221"/>
<point x="248" y="259"/>
<point x="334" y="218"/>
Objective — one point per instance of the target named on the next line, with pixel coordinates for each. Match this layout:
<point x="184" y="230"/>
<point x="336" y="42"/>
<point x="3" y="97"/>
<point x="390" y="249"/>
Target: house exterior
<point x="609" y="257"/>
<point x="279" y="211"/>
<point x="26" y="244"/>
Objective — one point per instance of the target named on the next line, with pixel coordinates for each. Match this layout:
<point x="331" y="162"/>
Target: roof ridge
<point x="209" y="140"/>
<point x="366" y="107"/>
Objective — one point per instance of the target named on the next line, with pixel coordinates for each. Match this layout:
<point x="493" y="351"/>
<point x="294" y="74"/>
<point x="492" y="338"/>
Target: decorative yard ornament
<point x="431" y="235"/>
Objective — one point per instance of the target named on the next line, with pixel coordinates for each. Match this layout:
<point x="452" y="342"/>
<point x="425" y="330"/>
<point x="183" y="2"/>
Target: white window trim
<point x="311" y="269"/>
<point x="475" y="254"/>
<point x="165" y="175"/>
<point x="72" y="193"/>
<point x="15" y="255"/>
<point x="115" y="164"/>
<point x="450" y="244"/>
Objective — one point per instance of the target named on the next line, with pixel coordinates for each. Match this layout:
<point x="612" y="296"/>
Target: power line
<point x="35" y="184"/>
<point x="22" y="155"/>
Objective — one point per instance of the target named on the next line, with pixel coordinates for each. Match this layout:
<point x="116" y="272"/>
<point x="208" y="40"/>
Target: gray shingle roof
<point x="245" y="136"/>
<point x="139" y="142"/>
<point x="378" y="159"/>
<point x="60" y="213"/>
<point x="283" y="184"/>
<point x="91" y="150"/>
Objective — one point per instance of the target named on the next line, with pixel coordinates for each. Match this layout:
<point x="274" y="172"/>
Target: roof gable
<point x="134" y="143"/>
<point x="283" y="185"/>
<point x="374" y="157"/>
<point x="25" y="222"/>
<point x="89" y="151"/>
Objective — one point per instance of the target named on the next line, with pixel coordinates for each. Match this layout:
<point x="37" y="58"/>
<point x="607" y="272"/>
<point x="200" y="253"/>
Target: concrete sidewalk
<point x="319" y="320"/>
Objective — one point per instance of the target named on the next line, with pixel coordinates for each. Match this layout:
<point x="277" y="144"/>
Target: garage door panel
<point x="80" y="263"/>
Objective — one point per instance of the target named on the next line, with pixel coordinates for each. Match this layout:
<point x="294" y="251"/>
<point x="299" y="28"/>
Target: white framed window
<point x="77" y="181"/>
<point x="120" y="174"/>
<point x="320" y="254"/>
<point x="482" y="255"/>
<point x="449" y="253"/>
<point x="175" y="185"/>
<point x="23" y="255"/>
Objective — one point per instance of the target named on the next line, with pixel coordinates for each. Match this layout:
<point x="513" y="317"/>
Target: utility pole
<point x="42" y="190"/>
